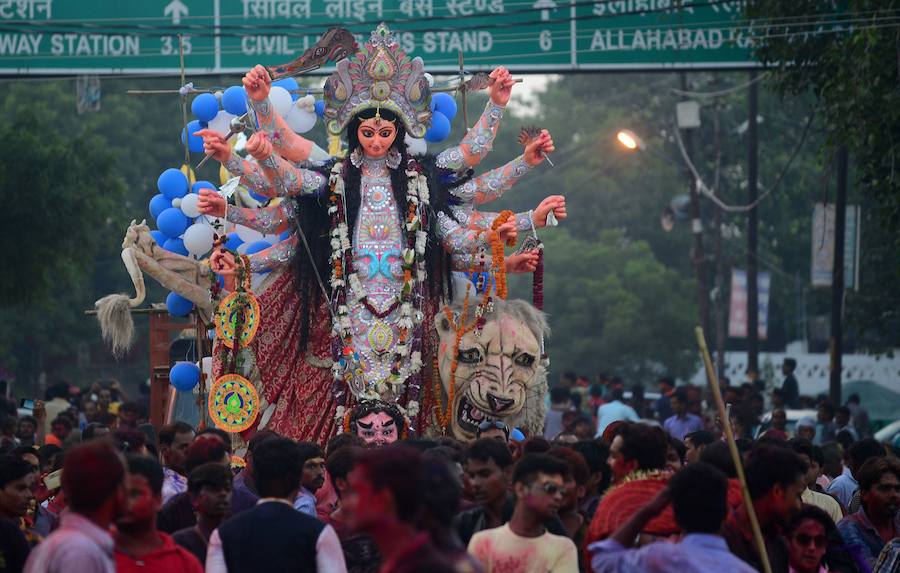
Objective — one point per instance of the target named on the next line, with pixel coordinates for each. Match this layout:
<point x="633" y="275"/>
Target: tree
<point x="614" y="307"/>
<point x="853" y="73"/>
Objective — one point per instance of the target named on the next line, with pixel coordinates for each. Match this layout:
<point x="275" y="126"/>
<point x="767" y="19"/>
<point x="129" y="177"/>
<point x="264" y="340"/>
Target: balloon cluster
<point x="180" y="228"/>
<point x="443" y="110"/>
<point x="299" y="113"/>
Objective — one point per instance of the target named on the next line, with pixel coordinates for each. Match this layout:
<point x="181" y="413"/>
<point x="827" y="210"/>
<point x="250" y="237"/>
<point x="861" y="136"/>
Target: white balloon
<point x="416" y="146"/>
<point x="247" y="234"/>
<point x="300" y="120"/>
<point x="189" y="205"/>
<point x="281" y="100"/>
<point x="271" y="238"/>
<point x="176" y="202"/>
<point x="430" y="79"/>
<point x="222" y="122"/>
<point x="198" y="239"/>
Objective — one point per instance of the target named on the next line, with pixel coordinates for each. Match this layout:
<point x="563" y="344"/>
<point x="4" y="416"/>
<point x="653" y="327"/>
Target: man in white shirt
<point x="523" y="545"/>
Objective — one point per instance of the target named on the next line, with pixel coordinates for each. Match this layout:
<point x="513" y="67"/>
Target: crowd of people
<point x="617" y="483"/>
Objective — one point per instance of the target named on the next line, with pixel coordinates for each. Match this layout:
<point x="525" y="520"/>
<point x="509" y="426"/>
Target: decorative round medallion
<point x="233" y="403"/>
<point x="226" y="318"/>
<point x="380" y="337"/>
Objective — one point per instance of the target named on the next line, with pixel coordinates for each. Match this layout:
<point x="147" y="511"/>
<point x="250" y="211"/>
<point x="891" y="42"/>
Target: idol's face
<point x="377" y="429"/>
<point x="376" y="137"/>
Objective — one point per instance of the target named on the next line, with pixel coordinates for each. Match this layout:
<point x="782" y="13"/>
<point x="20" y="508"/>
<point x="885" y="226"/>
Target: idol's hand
<point x="211" y="203"/>
<point x="555" y="203"/>
<point x="222" y="263"/>
<point x="502" y="86"/>
<point x="215" y="145"/>
<point x="257" y="82"/>
<point x="507" y="231"/>
<point x="259" y="146"/>
<point x="541" y="146"/>
<point x="525" y="262"/>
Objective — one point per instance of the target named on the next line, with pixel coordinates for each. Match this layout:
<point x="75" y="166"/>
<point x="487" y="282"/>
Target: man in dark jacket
<point x="273" y="536"/>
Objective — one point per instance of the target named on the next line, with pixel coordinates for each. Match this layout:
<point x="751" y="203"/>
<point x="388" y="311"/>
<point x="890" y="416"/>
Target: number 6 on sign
<point x="545" y="40"/>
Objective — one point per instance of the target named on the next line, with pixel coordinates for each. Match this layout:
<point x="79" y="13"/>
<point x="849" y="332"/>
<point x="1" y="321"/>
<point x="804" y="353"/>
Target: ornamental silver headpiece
<point x="379" y="76"/>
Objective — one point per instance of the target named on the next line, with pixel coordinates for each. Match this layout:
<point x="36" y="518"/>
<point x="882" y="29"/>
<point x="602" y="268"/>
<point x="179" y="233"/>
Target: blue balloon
<point x="172" y="222"/>
<point x="257" y="246"/>
<point x="177" y="305"/>
<point x="195" y="142"/>
<point x="205" y="107"/>
<point x="432" y="104"/>
<point x="176" y="246"/>
<point x="172" y="183"/>
<point x="196" y="187"/>
<point x="158" y="204"/>
<point x="290" y="84"/>
<point x="440" y="128"/>
<point x="159" y="237"/>
<point x="284" y="236"/>
<point x="234" y="100"/>
<point x="516" y="435"/>
<point x="320" y="107"/>
<point x="234" y="241"/>
<point x="445" y="104"/>
<point x="184" y="376"/>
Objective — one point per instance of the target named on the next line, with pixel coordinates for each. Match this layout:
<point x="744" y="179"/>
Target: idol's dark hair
<point x="313" y="219"/>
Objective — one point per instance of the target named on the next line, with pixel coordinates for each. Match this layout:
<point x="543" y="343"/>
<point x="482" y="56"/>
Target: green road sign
<point x="136" y="36"/>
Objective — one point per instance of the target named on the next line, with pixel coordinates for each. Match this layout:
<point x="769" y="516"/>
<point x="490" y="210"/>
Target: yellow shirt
<point x="502" y="551"/>
<point x="824" y="502"/>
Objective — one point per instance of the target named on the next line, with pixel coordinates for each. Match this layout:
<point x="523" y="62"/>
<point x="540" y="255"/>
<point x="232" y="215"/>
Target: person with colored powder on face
<point x="93" y="481"/>
<point x="524" y="545"/>
<point x="139" y="546"/>
<point x="807" y="537"/>
<point x="385" y="499"/>
<point x="776" y="479"/>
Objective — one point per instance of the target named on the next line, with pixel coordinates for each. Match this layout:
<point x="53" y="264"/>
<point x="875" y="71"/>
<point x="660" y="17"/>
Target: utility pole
<point x="752" y="228"/>
<point x="836" y="344"/>
<point x="697" y="255"/>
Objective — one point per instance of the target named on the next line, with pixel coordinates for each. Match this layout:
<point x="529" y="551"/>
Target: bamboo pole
<point x="732" y="447"/>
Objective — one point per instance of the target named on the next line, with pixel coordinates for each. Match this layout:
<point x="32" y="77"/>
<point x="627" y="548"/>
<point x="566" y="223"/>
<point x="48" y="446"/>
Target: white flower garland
<point x="410" y="316"/>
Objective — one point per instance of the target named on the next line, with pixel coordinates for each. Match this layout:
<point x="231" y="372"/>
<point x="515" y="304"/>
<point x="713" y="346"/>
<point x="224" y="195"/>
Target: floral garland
<point x="498" y="263"/>
<point x="406" y="364"/>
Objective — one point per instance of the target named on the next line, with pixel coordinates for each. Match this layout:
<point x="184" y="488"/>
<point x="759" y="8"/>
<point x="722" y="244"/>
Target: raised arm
<point x="537" y="218"/>
<point x="264" y="117"/>
<point x="493" y="184"/>
<point x="285" y="178"/>
<point x="277" y="256"/>
<point x="266" y="220"/>
<point x="480" y="139"/>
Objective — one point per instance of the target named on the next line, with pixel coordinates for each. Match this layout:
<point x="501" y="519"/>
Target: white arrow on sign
<point x="176" y="9"/>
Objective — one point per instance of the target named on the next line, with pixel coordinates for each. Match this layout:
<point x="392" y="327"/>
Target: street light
<point x="630" y="140"/>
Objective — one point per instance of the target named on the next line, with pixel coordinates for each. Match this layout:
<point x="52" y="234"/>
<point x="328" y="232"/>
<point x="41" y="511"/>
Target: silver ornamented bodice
<point x="377" y="244"/>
